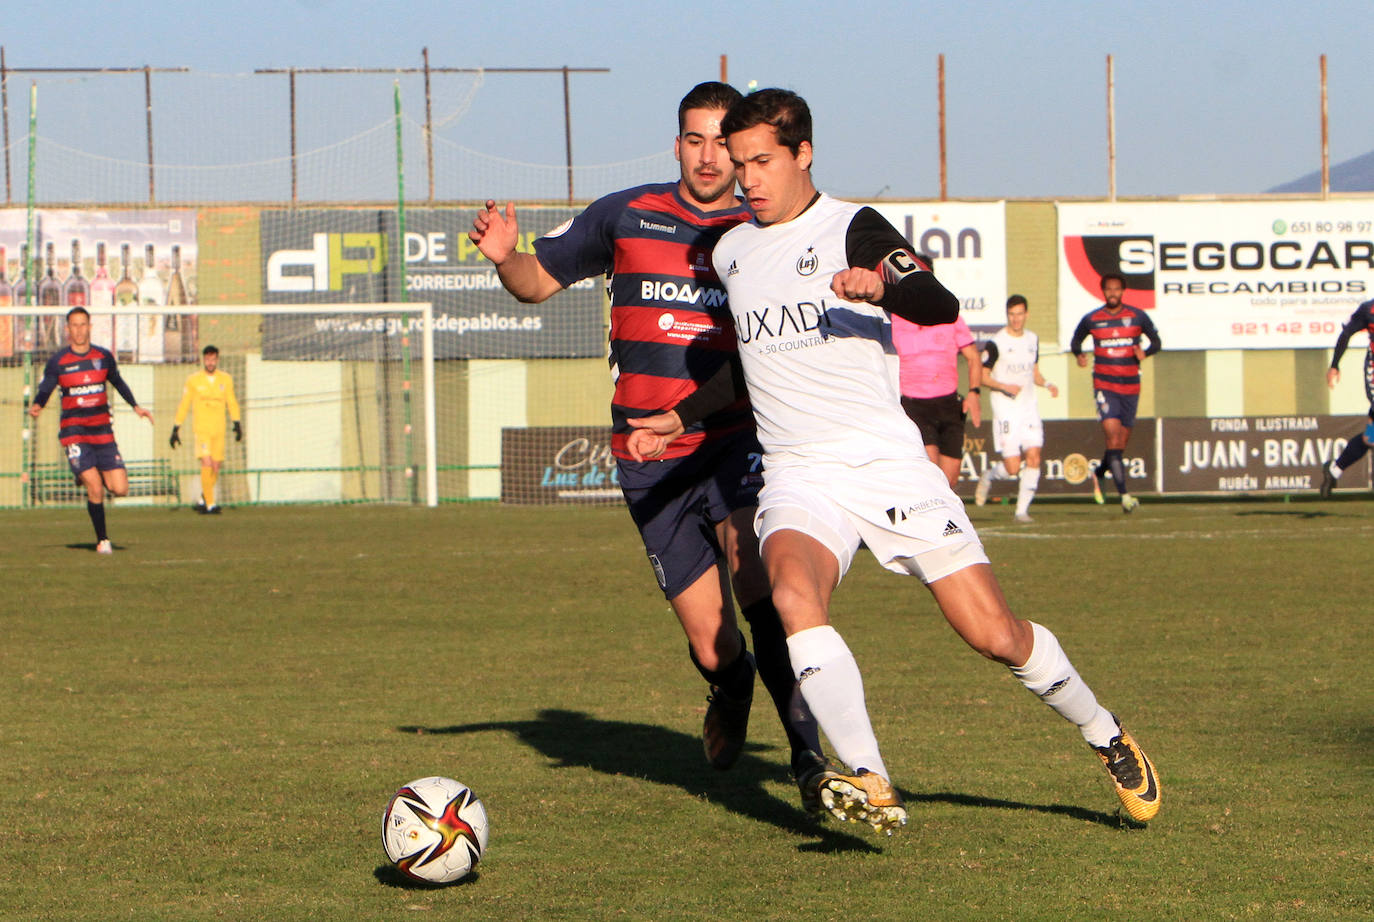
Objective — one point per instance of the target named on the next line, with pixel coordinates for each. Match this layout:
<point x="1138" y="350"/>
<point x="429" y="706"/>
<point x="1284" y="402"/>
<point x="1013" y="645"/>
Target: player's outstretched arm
<point x="496" y="235"/>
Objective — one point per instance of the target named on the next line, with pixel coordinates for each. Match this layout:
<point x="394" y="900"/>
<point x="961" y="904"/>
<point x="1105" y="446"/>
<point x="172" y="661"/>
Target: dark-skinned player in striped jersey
<point x="670" y="331"/>
<point x="812" y="284"/>
<point x="85" y="430"/>
<point x="1358" y="446"/>
<point x="1116" y="329"/>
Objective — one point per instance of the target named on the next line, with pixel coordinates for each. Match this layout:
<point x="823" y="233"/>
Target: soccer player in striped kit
<point x="1358" y="446"/>
<point x="1116" y="329"/>
<point x="670" y="331"/>
<point x="82" y="370"/>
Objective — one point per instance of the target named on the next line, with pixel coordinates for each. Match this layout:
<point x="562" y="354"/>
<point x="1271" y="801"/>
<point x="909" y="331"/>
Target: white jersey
<point x="821" y="371"/>
<point x="1011" y="360"/>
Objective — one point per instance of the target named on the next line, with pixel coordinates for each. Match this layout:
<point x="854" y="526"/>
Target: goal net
<point x="338" y="403"/>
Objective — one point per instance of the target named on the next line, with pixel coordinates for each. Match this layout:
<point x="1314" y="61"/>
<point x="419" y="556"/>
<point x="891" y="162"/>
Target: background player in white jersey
<point x="812" y="282"/>
<point x="1012" y="360"/>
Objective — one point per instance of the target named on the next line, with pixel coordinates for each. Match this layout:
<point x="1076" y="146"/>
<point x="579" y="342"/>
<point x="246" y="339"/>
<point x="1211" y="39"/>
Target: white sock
<point x="834" y="690"/>
<point x="998" y="471"/>
<point x="1030" y="480"/>
<point x="1049" y="674"/>
<point x="1335" y="470"/>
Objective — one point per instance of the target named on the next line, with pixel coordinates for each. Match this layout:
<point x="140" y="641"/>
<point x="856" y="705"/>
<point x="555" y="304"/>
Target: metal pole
<point x="724" y="69"/>
<point x="944" y="152"/>
<point x="5" y="106"/>
<point x="1111" y="130"/>
<point x="1326" y="139"/>
<point x="567" y="132"/>
<point x="291" y="80"/>
<point x="429" y="129"/>
<point x="148" y="100"/>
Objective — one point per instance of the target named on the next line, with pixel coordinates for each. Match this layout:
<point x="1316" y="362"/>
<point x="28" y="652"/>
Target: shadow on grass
<point x="1292" y="513"/>
<point x="1112" y="820"/>
<point x="664" y="756"/>
<point x="389" y="875"/>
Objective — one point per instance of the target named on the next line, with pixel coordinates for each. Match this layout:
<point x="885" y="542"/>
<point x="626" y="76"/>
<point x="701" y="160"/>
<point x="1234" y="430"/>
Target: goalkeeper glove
<point x="238" y="431"/>
<point x="175" y="440"/>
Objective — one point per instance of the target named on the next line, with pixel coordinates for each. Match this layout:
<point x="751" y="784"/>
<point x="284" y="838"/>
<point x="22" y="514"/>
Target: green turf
<point x="208" y="724"/>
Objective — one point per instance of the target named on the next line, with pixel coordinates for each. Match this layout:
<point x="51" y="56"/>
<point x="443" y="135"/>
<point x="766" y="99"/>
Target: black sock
<point x="1355" y="449"/>
<point x="1118" y="469"/>
<point x="775" y="669"/>
<point x="97" y="513"/>
<point x="735" y="679"/>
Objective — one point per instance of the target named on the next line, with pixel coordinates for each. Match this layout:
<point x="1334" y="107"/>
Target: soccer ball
<point x="434" y="830"/>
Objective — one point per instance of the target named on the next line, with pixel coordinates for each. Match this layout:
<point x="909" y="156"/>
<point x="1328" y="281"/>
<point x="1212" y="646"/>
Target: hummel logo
<point x="952" y="529"/>
<point x="733" y="270"/>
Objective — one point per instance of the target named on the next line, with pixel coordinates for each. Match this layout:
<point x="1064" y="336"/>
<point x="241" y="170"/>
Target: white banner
<point x="1222" y="275"/>
<point x="969" y="243"/>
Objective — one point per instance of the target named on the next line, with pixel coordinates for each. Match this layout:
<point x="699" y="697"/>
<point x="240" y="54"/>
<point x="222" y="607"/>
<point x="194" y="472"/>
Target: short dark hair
<point x="210" y="350"/>
<point x="709" y="95"/>
<point x="787" y="112"/>
<point x="78" y="310"/>
<point x="1017" y="299"/>
<point x="1108" y="277"/>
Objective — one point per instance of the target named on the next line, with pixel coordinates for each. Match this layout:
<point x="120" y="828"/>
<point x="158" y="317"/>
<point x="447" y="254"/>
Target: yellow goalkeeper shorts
<point x="210" y="445"/>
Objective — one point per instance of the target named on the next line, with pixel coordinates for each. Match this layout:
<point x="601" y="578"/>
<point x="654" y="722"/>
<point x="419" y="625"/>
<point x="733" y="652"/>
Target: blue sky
<point x="1210" y="98"/>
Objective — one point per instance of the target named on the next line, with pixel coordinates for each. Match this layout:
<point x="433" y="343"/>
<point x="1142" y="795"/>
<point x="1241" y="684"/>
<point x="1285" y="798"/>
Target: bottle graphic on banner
<point x="26" y="327"/>
<point x="150" y="328"/>
<point x="126" y="298"/>
<point x="101" y="300"/>
<point x="7" y="324"/>
<point x="50" y="295"/>
<point x="176" y="297"/>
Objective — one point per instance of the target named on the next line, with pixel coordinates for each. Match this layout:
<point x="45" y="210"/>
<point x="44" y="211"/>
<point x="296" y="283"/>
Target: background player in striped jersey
<point x="812" y="283"/>
<point x="1012" y="360"/>
<point x="1358" y="446"/>
<point x="694" y="506"/>
<point x="1116" y="329"/>
<point x="82" y="370"/>
<point x="207" y="394"/>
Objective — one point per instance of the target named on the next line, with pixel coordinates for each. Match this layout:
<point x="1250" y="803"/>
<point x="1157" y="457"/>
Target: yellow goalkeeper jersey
<point x="209" y="396"/>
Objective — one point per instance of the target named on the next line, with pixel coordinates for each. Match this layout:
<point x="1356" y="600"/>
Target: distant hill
<point x="1355" y="175"/>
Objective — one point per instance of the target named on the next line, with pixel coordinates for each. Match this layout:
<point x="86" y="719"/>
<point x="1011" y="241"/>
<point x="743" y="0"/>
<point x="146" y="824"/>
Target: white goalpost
<point x="332" y="407"/>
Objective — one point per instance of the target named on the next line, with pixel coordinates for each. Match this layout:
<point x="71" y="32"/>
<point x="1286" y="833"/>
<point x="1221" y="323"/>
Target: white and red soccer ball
<point x="434" y="830"/>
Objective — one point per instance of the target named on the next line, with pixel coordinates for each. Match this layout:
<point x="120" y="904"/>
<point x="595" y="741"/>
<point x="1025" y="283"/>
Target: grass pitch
<point x="208" y="724"/>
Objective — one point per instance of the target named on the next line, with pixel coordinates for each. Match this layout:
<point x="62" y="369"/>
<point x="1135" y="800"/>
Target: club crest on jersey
<point x="808" y="263"/>
<point x="97" y="363"/>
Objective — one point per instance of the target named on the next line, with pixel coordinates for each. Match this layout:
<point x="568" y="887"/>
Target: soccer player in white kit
<point x="812" y="283"/>
<point x="1012" y="360"/>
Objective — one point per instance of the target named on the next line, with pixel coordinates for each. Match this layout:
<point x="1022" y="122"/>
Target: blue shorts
<point x="83" y="456"/>
<point x="1111" y="405"/>
<point x="677" y="503"/>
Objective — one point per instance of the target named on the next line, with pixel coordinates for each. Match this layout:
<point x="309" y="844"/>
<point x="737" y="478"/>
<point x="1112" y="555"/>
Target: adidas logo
<point x="808" y="672"/>
<point x="952" y="529"/>
<point x="1054" y="688"/>
<point x="733" y="270"/>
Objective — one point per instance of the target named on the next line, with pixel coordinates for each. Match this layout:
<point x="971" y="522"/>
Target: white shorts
<point x="1017" y="432"/>
<point x="904" y="511"/>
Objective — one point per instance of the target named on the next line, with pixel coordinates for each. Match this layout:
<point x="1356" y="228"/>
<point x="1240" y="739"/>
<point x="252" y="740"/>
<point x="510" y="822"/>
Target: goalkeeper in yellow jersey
<point x="209" y="392"/>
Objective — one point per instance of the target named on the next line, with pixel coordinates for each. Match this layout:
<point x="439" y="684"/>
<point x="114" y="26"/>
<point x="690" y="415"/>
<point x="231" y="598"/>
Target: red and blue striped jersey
<point x="85" y="405"/>
<point x="670" y="327"/>
<point x="1115" y="337"/>
<point x="1362" y="320"/>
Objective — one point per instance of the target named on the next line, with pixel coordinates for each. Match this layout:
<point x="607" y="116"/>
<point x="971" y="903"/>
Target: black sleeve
<point x="49" y="382"/>
<point x="989" y="354"/>
<point x="716" y="393"/>
<point x="115" y="378"/>
<point x="911" y="291"/>
<point x="1147" y="326"/>
<point x="1358" y="321"/>
<point x="1080" y="333"/>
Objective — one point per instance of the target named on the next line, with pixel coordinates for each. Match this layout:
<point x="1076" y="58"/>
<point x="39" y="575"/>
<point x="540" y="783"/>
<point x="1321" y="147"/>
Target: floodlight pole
<point x="1326" y="139"/>
<point x="1111" y="130"/>
<point x="944" y="151"/>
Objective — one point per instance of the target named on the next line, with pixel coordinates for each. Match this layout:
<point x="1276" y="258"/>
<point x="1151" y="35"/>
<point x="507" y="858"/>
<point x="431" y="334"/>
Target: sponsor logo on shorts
<point x="902" y="513"/>
<point x="952" y="529"/>
<point x="658" y="571"/>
